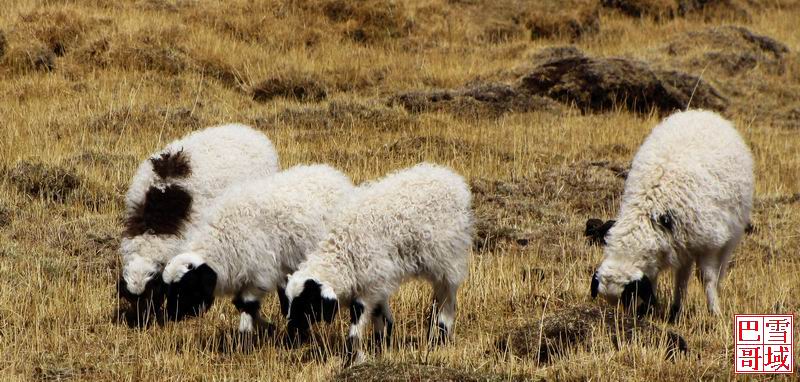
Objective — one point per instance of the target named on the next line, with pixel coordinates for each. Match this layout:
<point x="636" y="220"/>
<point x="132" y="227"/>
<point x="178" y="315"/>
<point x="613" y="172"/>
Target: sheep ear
<point x="596" y="230"/>
<point x="329" y="308"/>
<point x="643" y="289"/>
<point x="595" y="285"/>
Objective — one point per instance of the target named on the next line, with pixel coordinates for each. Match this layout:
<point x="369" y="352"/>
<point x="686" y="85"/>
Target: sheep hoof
<point x="355" y="359"/>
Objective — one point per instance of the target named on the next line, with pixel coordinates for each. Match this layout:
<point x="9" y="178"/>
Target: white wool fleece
<point x="218" y="157"/>
<point x="415" y="222"/>
<point x="258" y="232"/>
<point x="695" y="173"/>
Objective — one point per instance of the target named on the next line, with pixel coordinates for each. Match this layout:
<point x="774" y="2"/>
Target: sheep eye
<point x="190" y="267"/>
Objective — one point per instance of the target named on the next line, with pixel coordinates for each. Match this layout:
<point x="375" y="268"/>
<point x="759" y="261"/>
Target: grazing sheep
<point x="251" y="239"/>
<point x="168" y="192"/>
<point x="413" y="223"/>
<point x="687" y="199"/>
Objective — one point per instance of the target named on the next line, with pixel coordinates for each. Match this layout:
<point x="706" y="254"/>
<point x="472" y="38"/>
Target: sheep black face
<point x="312" y="304"/>
<point x="639" y="289"/>
<point x="141" y="286"/>
<point x="144" y="305"/>
<point x="190" y="286"/>
<point x="616" y="285"/>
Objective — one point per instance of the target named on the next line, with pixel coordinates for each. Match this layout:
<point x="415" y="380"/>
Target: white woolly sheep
<point x="413" y="223"/>
<point x="687" y="199"/>
<point x="168" y="192"/>
<point x="252" y="238"/>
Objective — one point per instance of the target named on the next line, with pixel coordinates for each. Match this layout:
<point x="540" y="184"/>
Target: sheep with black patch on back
<point x="167" y="194"/>
<point x="251" y="239"/>
<point x="687" y="200"/>
<point x="415" y="222"/>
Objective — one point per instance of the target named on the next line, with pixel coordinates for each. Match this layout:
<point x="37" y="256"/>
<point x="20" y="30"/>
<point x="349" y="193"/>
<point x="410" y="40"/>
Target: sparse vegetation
<point x="89" y="88"/>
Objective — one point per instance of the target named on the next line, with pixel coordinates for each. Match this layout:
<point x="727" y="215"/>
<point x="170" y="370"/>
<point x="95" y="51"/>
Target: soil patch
<point x="39" y="179"/>
<point x="575" y="326"/>
<point x="598" y="84"/>
<point x="302" y="87"/>
<point x="397" y="371"/>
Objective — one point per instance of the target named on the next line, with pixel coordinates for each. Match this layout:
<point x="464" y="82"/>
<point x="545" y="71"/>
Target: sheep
<point x="251" y="239"/>
<point x="687" y="199"/>
<point x="413" y="223"/>
<point x="168" y="192"/>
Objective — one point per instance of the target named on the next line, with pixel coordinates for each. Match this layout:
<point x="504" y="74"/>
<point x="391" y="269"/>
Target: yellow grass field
<point x="89" y="88"/>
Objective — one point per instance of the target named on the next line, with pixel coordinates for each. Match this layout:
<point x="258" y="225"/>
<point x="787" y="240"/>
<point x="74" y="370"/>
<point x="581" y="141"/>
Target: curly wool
<point x="414" y="222"/>
<point x="217" y="158"/>
<point x="258" y="232"/>
<point x="695" y="173"/>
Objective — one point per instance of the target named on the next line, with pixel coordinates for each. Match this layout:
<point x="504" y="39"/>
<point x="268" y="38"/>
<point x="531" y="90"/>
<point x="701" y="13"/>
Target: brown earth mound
<point x="396" y="371"/>
<point x="300" y="87"/>
<point x="3" y="43"/>
<point x="341" y="113"/>
<point x="43" y="180"/>
<point x="575" y="326"/>
<point x="566" y="75"/>
<point x="487" y="100"/>
<point x="597" y="84"/>
<point x="728" y="50"/>
<point x="571" y="24"/>
<point x="666" y="9"/>
<point x="6" y="215"/>
<point x="755" y="72"/>
<point x="368" y="21"/>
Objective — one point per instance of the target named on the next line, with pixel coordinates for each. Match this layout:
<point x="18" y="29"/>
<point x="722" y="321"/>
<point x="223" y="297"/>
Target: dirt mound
<point x="667" y="9"/>
<point x="59" y="29"/>
<point x="341" y="113"/>
<point x="728" y="50"/>
<point x="573" y="327"/>
<point x="224" y="72"/>
<point x="149" y="48"/>
<point x="302" y="87"/>
<point x="597" y="84"/>
<point x="369" y="21"/>
<point x="43" y="180"/>
<point x="6" y="215"/>
<point x="790" y="119"/>
<point x="34" y="57"/>
<point x="3" y="43"/>
<point x="397" y="371"/>
<point x="571" y="24"/>
<point x="479" y="101"/>
<point x="564" y="74"/>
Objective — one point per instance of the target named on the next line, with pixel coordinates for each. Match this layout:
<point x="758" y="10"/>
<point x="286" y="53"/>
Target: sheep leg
<point x="727" y="253"/>
<point x="283" y="300"/>
<point x="682" y="276"/>
<point x="360" y="317"/>
<point x="708" y="270"/>
<point x="444" y="309"/>
<point x="248" y="303"/>
<point x="382" y="324"/>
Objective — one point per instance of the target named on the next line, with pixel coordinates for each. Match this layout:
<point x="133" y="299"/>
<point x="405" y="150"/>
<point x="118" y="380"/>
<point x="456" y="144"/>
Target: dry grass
<point x="89" y="88"/>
